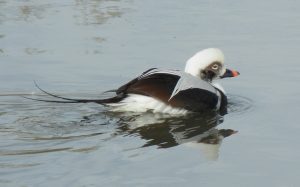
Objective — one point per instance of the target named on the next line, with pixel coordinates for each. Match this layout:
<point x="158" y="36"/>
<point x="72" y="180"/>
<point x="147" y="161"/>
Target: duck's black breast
<point x="161" y="84"/>
<point x="195" y="99"/>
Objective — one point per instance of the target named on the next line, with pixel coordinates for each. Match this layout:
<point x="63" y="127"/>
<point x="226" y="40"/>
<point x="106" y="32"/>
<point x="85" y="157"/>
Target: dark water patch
<point x="85" y="149"/>
<point x="15" y="165"/>
<point x="30" y="152"/>
<point x="72" y="137"/>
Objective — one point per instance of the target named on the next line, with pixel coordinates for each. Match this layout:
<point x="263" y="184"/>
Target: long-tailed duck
<point x="170" y="91"/>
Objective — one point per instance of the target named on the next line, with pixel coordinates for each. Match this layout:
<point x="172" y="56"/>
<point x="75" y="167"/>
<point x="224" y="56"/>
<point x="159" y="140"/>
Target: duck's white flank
<point x="141" y="103"/>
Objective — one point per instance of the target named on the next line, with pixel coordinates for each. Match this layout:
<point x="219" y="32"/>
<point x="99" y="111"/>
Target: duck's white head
<point x="208" y="64"/>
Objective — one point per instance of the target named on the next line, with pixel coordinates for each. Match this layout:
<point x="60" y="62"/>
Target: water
<point x="80" y="48"/>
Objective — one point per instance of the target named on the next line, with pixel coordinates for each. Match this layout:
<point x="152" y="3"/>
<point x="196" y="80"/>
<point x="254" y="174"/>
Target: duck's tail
<point x="114" y="99"/>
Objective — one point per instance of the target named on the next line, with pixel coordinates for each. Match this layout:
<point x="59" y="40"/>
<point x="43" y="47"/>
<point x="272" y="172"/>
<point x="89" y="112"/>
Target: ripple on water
<point x="43" y="128"/>
<point x="239" y="104"/>
<point x="32" y="128"/>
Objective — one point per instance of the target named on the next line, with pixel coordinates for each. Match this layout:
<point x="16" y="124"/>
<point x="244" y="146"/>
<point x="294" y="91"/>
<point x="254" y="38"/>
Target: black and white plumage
<point x="171" y="91"/>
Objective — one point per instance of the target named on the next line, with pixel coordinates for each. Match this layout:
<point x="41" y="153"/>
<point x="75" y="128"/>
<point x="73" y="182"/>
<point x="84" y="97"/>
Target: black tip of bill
<point x="230" y="73"/>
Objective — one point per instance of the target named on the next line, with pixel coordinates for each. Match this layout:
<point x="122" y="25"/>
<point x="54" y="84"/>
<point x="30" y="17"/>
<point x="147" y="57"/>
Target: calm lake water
<point x="80" y="48"/>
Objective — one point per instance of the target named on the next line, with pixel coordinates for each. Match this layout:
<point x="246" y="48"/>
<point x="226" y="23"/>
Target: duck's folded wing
<point x="153" y="83"/>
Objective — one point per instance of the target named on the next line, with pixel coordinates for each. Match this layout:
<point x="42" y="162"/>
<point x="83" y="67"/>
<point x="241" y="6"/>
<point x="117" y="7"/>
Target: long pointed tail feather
<point x="49" y="101"/>
<point x="53" y="95"/>
<point x="115" y="99"/>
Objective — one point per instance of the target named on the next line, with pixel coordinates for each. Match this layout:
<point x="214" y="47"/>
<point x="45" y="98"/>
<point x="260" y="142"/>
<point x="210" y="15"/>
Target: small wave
<point x="31" y="151"/>
<point x="239" y="104"/>
<point x="71" y="137"/>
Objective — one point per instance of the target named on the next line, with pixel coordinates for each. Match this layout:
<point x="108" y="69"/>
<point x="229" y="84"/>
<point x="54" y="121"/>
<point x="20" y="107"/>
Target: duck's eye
<point x="215" y="67"/>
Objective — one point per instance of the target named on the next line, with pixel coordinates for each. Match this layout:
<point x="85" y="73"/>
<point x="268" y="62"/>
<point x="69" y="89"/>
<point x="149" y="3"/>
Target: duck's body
<point x="171" y="91"/>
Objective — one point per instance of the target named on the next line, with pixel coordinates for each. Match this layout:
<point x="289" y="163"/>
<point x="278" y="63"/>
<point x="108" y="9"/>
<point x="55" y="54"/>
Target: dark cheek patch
<point x="208" y="75"/>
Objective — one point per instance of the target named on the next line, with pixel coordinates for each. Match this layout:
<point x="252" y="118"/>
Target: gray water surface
<point x="80" y="48"/>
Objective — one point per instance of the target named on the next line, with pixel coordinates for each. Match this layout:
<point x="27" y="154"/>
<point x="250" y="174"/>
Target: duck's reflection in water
<point x="195" y="131"/>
